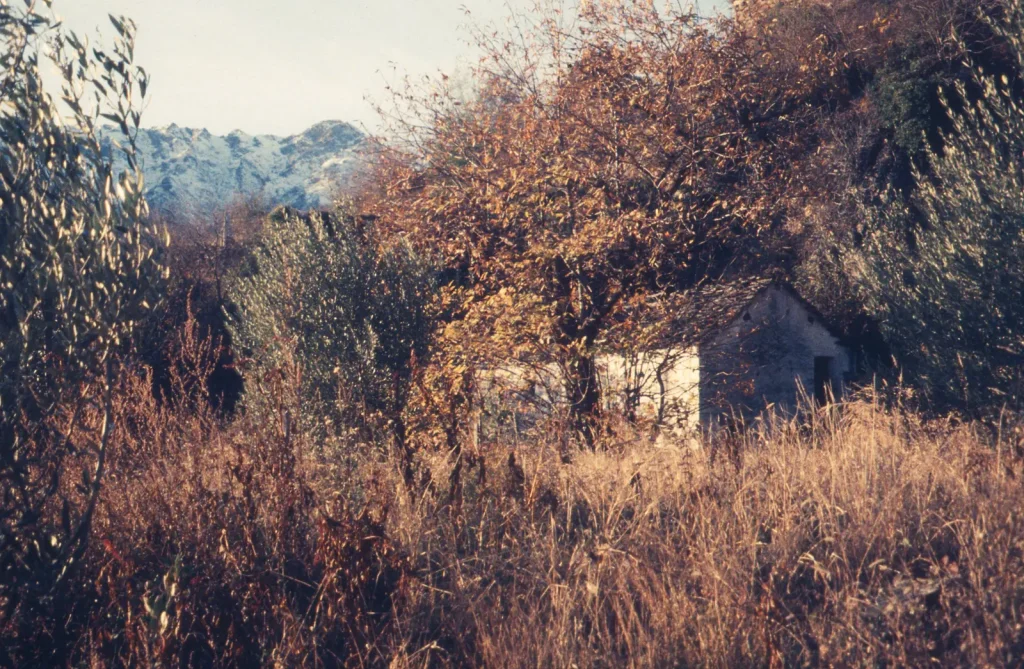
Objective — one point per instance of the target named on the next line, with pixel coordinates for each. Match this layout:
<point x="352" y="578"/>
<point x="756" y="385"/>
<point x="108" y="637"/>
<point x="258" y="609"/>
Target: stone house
<point x="732" y="352"/>
<point x="761" y="346"/>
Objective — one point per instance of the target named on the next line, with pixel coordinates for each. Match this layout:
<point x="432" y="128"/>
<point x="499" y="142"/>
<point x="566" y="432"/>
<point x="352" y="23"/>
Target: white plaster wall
<point x="664" y="384"/>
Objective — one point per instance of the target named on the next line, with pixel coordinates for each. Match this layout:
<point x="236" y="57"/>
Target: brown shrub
<point x="210" y="547"/>
<point x="856" y="536"/>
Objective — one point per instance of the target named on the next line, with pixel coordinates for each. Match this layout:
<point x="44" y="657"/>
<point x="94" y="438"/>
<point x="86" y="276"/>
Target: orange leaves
<point x="652" y="156"/>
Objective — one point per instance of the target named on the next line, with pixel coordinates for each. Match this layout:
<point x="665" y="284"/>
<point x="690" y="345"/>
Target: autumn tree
<point x="611" y="160"/>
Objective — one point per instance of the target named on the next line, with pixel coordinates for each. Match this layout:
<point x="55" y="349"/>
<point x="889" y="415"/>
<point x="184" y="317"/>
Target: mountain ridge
<point x="191" y="171"/>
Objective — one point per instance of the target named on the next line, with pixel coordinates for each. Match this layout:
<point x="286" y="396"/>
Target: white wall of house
<point x="663" y="385"/>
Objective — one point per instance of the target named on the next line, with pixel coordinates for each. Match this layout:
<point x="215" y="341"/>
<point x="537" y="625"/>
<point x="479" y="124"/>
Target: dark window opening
<point x="822" y="379"/>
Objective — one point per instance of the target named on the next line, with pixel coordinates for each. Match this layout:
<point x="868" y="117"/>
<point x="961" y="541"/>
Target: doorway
<point x="822" y="380"/>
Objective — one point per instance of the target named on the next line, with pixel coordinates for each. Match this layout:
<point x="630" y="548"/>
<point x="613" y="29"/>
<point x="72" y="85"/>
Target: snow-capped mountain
<point x="193" y="171"/>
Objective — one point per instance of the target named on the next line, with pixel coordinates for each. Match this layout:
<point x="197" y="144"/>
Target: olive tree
<point x="944" y="272"/>
<point x="79" y="263"/>
<point x="347" y="307"/>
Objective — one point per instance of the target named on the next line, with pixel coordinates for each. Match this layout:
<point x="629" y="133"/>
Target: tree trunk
<point x="583" y="391"/>
<point x="577" y="329"/>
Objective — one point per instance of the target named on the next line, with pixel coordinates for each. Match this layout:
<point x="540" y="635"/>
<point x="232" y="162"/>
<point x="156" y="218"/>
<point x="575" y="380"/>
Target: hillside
<point x="190" y="170"/>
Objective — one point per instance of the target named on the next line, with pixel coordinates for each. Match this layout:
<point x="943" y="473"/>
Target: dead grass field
<point x="862" y="537"/>
<point x="866" y="538"/>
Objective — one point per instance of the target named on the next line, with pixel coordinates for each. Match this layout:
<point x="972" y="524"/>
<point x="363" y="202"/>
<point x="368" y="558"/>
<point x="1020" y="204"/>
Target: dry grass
<point x="209" y="546"/>
<point x="862" y="537"/>
<point x="867" y="538"/>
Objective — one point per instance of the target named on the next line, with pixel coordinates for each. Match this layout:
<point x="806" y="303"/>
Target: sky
<point x="280" y="66"/>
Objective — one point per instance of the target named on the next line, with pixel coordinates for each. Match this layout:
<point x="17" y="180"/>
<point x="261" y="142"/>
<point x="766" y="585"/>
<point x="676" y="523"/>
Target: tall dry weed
<point x="860" y="536"/>
<point x="210" y="547"/>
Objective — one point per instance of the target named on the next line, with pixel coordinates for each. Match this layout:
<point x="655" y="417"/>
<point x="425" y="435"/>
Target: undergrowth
<point x="859" y="535"/>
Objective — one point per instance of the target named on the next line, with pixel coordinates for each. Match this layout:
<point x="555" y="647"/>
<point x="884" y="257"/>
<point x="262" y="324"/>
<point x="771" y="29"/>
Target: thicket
<point x="935" y="263"/>
<point x="947" y="294"/>
<point x="202" y="257"/>
<point x="326" y="292"/>
<point x="348" y="511"/>
<point x="79" y="269"/>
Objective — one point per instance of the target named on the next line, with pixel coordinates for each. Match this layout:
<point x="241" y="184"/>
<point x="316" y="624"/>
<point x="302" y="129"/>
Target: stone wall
<point x="766" y="359"/>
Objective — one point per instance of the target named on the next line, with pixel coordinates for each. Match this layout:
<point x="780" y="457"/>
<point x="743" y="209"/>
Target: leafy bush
<point x="78" y="267"/>
<point x="904" y="93"/>
<point x="352" y="311"/>
<point x="944" y="273"/>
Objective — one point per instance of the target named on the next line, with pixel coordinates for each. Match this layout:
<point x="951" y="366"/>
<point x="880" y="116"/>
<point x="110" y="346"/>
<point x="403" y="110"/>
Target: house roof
<point x="705" y="311"/>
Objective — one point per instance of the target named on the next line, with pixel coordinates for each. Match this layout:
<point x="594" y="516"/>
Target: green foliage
<point x="78" y="266"/>
<point x="321" y="287"/>
<point x="904" y="93"/>
<point x="948" y="293"/>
